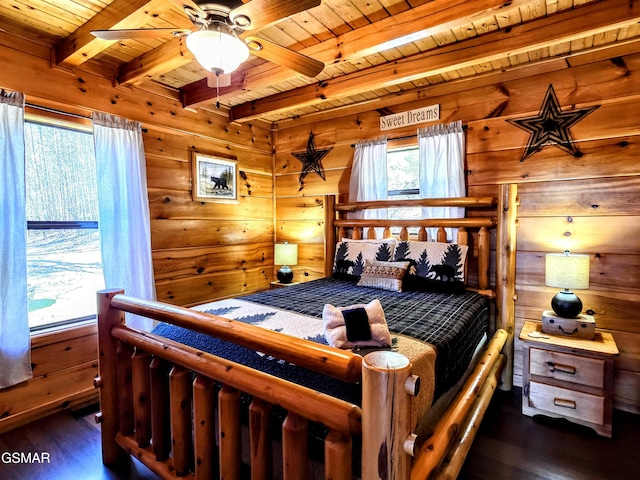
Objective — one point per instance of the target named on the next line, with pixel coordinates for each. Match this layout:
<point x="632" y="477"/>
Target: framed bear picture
<point x="214" y="178"/>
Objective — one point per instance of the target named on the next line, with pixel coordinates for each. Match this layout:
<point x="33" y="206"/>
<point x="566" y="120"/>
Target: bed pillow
<point x="415" y="283"/>
<point x="437" y="261"/>
<point x="361" y="325"/>
<point x="383" y="275"/>
<point x="351" y="256"/>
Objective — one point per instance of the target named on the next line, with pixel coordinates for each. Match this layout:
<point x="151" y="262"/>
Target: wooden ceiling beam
<point x="168" y="56"/>
<point x="566" y="26"/>
<point x="81" y="46"/>
<point x="398" y="102"/>
<point x="434" y="17"/>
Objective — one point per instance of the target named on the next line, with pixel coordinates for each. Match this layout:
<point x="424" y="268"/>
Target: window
<point x="404" y="181"/>
<point x="64" y="268"/>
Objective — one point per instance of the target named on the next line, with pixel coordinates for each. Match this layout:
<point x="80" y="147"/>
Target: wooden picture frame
<point x="214" y="178"/>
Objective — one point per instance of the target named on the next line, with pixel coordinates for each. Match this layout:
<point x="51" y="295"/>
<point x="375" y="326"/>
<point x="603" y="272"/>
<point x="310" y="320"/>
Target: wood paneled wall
<point x="204" y="250"/>
<point x="587" y="203"/>
<point x="64" y="364"/>
<point x="201" y="251"/>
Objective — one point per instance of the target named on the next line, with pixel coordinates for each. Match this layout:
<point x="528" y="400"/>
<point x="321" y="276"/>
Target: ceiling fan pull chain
<point x="217" y="91"/>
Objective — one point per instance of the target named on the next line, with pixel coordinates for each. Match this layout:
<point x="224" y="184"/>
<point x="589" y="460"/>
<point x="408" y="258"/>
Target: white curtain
<point x="124" y="209"/>
<point x="15" y="341"/>
<point x="369" y="176"/>
<point x="441" y="160"/>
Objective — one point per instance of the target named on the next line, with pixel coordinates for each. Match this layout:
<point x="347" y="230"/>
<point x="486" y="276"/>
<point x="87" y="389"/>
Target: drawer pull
<point x="558" y="367"/>
<point x="561" y="402"/>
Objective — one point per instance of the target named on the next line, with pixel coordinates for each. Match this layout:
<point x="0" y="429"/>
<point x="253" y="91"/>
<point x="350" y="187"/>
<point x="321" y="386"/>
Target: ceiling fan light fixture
<point x="217" y="51"/>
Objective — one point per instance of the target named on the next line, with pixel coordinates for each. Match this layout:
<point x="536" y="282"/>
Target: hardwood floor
<point x="508" y="446"/>
<point x="74" y="448"/>
<point x="511" y="446"/>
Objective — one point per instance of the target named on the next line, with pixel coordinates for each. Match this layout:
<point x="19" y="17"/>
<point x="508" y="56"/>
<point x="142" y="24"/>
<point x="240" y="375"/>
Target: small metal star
<point x="311" y="159"/>
<point x="551" y="126"/>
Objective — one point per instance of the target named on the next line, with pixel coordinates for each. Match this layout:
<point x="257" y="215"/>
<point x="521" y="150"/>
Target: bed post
<point x="387" y="388"/>
<point x="329" y="233"/>
<point x="506" y="273"/>
<point x="107" y="379"/>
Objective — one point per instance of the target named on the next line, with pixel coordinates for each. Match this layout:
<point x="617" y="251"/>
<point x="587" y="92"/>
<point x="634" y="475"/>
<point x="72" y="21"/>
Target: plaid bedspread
<point x="452" y="324"/>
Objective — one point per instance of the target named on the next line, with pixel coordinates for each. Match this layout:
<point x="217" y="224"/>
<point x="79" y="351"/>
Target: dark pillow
<point x="416" y="283"/>
<point x="342" y="275"/>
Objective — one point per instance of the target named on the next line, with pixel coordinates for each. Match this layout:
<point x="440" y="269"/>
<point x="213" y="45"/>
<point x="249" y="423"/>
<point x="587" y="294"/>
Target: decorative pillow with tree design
<point x="351" y="256"/>
<point x="436" y="262"/>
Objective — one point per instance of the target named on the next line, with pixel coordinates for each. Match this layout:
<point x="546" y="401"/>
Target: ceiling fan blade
<point x="139" y="33"/>
<point x="258" y="14"/>
<point x="191" y="6"/>
<point x="284" y="56"/>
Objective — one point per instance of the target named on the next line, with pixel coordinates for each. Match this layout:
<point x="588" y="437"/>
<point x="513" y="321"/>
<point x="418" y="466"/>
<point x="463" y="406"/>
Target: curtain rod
<point x="393" y="139"/>
<point x="59" y="112"/>
<point x="464" y="127"/>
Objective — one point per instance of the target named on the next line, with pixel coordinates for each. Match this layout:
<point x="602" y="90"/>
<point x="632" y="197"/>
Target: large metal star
<point x="551" y="126"/>
<point x="311" y="159"/>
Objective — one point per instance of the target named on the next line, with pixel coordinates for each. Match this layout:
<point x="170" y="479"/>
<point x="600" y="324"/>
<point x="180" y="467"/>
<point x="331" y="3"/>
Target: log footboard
<point x="137" y="389"/>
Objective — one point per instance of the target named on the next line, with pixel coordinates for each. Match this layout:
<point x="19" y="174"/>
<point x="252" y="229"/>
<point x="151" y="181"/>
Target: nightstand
<point x="280" y="285"/>
<point x="570" y="378"/>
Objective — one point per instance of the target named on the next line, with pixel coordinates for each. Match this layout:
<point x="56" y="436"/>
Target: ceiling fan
<point x="220" y="42"/>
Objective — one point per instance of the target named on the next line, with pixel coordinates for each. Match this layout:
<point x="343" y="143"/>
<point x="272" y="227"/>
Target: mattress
<point x="452" y="325"/>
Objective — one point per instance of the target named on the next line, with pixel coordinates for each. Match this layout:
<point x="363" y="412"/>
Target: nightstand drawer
<point x="567" y="367"/>
<point x="567" y="403"/>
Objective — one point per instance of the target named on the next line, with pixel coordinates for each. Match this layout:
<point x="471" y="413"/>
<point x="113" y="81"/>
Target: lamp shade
<point x="217" y="51"/>
<point x="568" y="271"/>
<point x="286" y="254"/>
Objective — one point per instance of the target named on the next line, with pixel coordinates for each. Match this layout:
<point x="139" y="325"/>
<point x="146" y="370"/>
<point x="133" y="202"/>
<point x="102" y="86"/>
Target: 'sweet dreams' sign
<point x="412" y="117"/>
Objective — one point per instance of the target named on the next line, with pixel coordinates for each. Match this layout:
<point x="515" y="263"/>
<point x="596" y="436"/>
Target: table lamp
<point x="285" y="254"/>
<point x="569" y="272"/>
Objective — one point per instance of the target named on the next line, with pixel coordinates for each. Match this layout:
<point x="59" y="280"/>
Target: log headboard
<point x="483" y="214"/>
<point x="338" y="227"/>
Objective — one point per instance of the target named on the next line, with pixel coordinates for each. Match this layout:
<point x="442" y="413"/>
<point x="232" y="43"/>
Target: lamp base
<point x="285" y="275"/>
<point x="566" y="304"/>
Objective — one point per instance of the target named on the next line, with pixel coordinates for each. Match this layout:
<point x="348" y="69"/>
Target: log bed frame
<point x="177" y="409"/>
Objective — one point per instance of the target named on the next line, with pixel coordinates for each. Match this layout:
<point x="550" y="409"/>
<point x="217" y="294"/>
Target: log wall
<point x="587" y="204"/>
<point x="204" y="250"/>
<point x="201" y="251"/>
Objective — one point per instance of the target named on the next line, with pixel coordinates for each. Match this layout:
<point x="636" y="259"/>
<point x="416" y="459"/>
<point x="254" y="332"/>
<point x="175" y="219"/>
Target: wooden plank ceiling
<point x="375" y="51"/>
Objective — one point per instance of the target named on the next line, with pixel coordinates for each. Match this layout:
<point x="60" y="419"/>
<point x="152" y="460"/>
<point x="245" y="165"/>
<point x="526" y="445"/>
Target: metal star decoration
<point x="311" y="159"/>
<point x="551" y="126"/>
